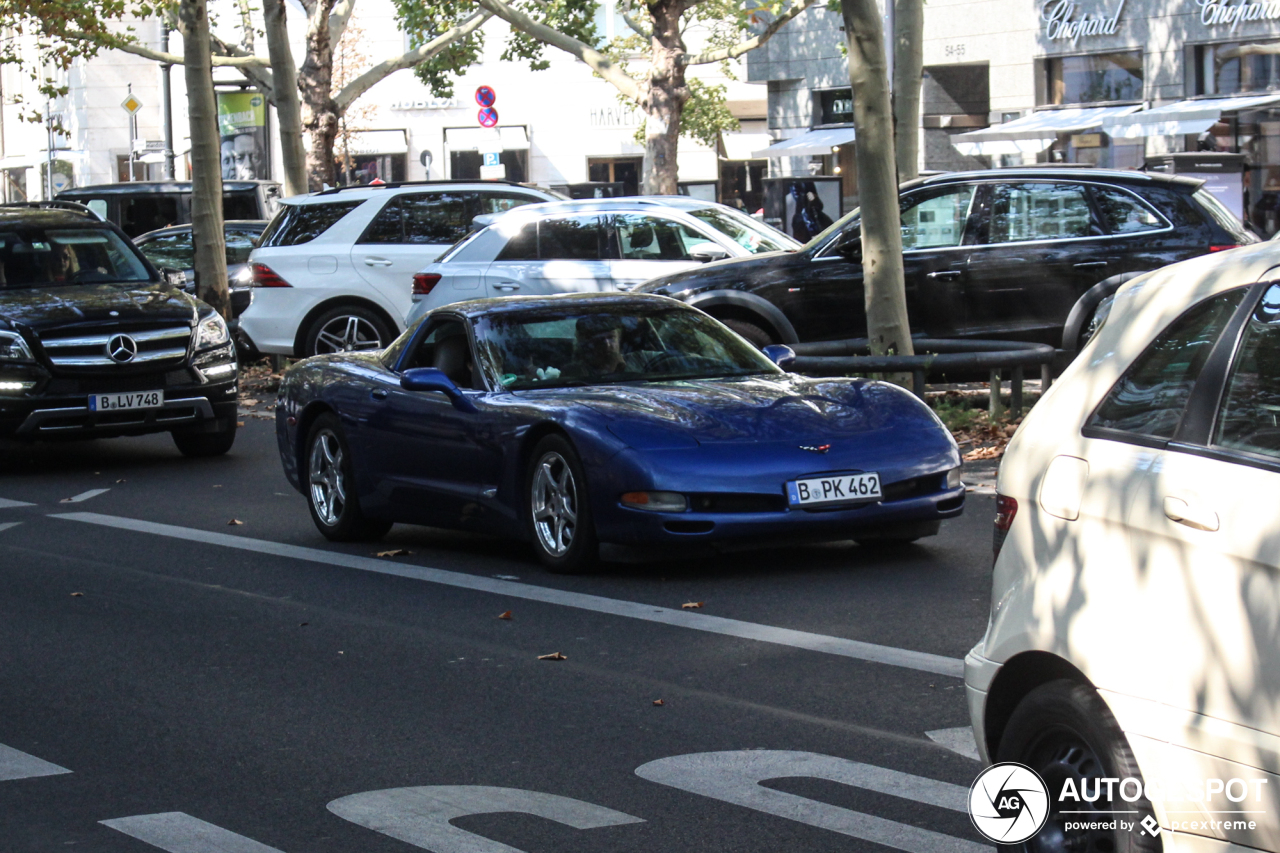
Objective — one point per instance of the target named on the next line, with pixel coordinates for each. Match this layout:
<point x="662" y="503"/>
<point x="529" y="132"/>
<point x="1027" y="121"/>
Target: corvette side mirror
<point x="434" y="379"/>
<point x="781" y="355"/>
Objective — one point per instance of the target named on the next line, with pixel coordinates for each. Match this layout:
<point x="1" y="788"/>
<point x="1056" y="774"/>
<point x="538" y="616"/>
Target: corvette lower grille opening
<point x="913" y="488"/>
<point x="736" y="502"/>
<point x="689" y="526"/>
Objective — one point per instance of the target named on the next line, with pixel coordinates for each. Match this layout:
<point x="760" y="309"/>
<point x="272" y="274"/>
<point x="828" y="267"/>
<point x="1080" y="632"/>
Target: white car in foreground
<point x="1134" y="630"/>
<point x="591" y="245"/>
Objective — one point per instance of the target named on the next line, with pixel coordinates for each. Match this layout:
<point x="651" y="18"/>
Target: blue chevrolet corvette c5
<point x="606" y="419"/>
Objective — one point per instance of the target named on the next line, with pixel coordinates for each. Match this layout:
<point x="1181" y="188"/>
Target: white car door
<point x="650" y="246"/>
<point x="554" y="255"/>
<point x="1205" y="554"/>
<point x="410" y="231"/>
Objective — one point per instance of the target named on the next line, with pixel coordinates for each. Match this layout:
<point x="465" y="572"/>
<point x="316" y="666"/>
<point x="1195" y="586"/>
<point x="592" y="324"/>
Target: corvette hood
<point x="42" y="308"/>
<point x="756" y="409"/>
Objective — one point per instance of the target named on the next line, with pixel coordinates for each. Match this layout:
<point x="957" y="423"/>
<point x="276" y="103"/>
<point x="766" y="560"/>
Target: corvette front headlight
<point x="212" y="332"/>
<point x="14" y="349"/>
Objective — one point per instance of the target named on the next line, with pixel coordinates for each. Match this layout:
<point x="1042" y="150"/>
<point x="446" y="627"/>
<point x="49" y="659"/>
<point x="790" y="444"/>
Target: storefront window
<point x="1097" y="78"/>
<point x="836" y="105"/>
<point x="465" y="165"/>
<point x="1224" y="69"/>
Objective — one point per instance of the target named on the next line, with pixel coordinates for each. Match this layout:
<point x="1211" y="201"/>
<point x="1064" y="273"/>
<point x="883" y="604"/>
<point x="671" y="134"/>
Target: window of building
<point x="1225" y="69"/>
<point x="1095" y="78"/>
<point x="835" y="106"/>
<point x="465" y="165"/>
<point x="622" y="170"/>
<point x="366" y="168"/>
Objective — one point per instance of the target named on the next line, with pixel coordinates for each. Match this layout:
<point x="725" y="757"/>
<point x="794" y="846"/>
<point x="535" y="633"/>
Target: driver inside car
<point x="597" y="348"/>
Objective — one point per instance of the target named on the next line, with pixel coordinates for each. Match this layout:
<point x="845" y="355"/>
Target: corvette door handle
<point x="377" y="262"/>
<point x="1090" y="265"/>
<point x="378" y="394"/>
<point x="1176" y="509"/>
<point x="945" y="275"/>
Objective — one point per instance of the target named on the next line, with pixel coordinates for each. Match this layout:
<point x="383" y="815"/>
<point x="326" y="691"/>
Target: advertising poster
<point x="242" y="124"/>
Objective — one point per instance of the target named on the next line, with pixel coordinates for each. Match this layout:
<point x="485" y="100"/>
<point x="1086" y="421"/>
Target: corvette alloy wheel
<point x="328" y="482"/>
<point x="554" y="504"/>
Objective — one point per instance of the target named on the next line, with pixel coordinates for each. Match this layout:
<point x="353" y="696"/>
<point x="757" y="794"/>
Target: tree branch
<point x="339" y="18"/>
<point x="382" y="70"/>
<point x="594" y="59"/>
<point x="246" y="24"/>
<point x="1247" y="50"/>
<point x="171" y="58"/>
<point x="636" y="27"/>
<point x="737" y="50"/>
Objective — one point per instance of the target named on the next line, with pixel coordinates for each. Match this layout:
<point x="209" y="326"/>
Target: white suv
<point x="1135" y="609"/>
<point x="334" y="269"/>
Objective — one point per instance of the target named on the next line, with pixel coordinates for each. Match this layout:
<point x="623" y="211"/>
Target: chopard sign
<point x="1061" y="22"/>
<point x="1215" y="12"/>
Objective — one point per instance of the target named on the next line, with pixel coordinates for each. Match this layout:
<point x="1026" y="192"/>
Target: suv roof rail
<point x="54" y="204"/>
<point x="391" y="185"/>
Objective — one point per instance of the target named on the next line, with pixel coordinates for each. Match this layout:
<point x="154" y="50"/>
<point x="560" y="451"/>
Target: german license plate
<point x="135" y="400"/>
<point x="838" y="488"/>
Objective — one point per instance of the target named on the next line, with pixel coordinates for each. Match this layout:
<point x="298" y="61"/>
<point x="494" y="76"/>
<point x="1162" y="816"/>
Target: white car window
<point x="1151" y="396"/>
<point x="650" y="238"/>
<point x="1250" y="415"/>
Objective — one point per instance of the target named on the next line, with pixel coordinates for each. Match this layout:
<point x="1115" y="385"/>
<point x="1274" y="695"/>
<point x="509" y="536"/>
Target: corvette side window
<point x="1153" y="393"/>
<point x="1250" y="415"/>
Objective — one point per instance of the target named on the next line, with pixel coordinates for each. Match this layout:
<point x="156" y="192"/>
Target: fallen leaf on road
<point x="239" y="423"/>
<point x="553" y="656"/>
<point x="249" y="401"/>
<point x="121" y="480"/>
<point x="235" y="522"/>
<point x="692" y="605"/>
<point x="398" y="552"/>
<point x="218" y="486"/>
<point x="506" y="614"/>
<point x="983" y="453"/>
<point x="77" y="595"/>
<point x="303" y="624"/>
<point x="658" y="702"/>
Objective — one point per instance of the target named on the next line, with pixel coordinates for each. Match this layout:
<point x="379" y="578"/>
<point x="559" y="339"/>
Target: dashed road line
<point x="84" y="496"/>
<point x="840" y="646"/>
<point x="5" y="503"/>
<point x="15" y="764"/>
<point x="959" y="740"/>
<point x="178" y="832"/>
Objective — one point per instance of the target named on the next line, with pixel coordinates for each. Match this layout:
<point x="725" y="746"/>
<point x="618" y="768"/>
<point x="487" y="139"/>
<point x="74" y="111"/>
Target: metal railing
<point x="935" y="355"/>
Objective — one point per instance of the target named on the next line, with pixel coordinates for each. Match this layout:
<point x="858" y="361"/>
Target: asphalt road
<point x="172" y="681"/>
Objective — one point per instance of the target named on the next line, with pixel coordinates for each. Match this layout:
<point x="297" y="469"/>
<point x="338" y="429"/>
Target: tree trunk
<point x="320" y="113"/>
<point x="288" y="105"/>
<point x="206" y="158"/>
<point x="663" y="100"/>
<point x="908" y="72"/>
<point x="886" y="301"/>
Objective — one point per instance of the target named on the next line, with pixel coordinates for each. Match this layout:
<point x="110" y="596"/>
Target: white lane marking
<point x="735" y="777"/>
<point x="84" y="496"/>
<point x="178" y="832"/>
<point x="9" y="524"/>
<point x="959" y="740"/>
<point x="5" y="503"/>
<point x="420" y="816"/>
<point x="15" y="764"/>
<point x="922" y="661"/>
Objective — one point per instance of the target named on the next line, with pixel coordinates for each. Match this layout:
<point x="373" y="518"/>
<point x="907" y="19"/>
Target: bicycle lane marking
<point x="857" y="649"/>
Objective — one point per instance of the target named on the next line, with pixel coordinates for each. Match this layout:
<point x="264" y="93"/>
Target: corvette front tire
<point x="557" y="508"/>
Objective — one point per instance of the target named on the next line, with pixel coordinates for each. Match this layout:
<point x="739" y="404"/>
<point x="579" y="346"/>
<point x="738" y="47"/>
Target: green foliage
<point x="706" y="114"/>
<point x="423" y="22"/>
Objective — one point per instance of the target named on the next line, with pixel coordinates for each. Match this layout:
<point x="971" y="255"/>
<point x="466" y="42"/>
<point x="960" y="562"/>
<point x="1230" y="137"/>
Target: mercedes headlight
<point x="14" y="349"/>
<point x="212" y="332"/>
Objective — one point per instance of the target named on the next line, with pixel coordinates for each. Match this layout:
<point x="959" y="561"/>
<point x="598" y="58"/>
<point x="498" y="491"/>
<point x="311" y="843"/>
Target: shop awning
<point x="1045" y="125"/>
<point x="815" y="142"/>
<point x="511" y="138"/>
<point x="742" y="146"/>
<point x="1193" y="116"/>
<point x="376" y="142"/>
<point x="996" y="147"/>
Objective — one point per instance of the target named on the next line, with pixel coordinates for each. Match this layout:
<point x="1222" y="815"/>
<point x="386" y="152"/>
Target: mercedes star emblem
<point x="121" y="349"/>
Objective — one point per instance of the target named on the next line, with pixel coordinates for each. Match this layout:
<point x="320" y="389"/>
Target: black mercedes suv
<point x="94" y="341"/>
<point x="1015" y="254"/>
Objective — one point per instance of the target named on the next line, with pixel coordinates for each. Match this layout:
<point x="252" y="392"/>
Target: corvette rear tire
<point x="330" y="486"/>
<point x="1064" y="730"/>
<point x="558" y="510"/>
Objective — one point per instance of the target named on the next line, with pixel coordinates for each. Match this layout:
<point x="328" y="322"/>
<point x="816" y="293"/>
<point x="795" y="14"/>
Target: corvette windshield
<point x="559" y="348"/>
<point x="35" y="257"/>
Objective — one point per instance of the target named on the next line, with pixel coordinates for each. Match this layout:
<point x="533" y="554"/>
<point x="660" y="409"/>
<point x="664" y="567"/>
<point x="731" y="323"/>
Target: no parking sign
<point x="485" y="96"/>
<point x="488" y="117"/>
